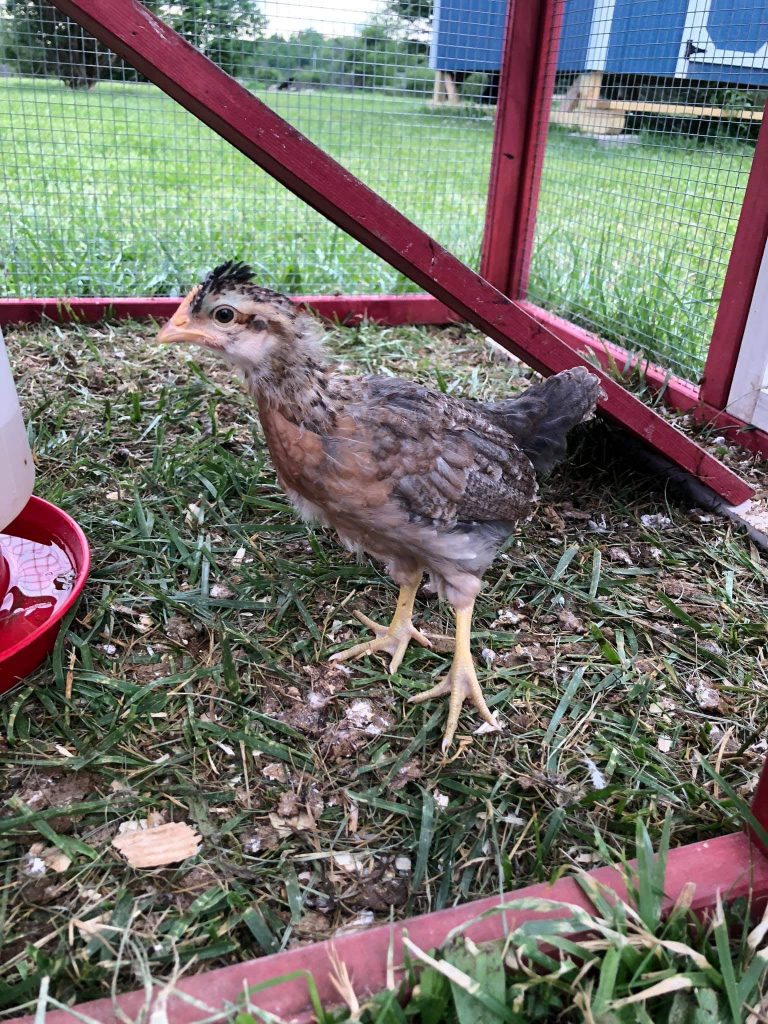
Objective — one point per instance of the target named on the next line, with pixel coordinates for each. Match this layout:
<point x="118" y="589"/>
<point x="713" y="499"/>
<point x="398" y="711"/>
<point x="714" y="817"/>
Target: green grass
<point x="139" y="196"/>
<point x="121" y="192"/>
<point x="618" y="963"/>
<point x="193" y="681"/>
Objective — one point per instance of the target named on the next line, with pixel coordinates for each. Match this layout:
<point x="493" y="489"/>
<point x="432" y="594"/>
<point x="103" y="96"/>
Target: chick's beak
<point x="182" y="329"/>
<point x="179" y="330"/>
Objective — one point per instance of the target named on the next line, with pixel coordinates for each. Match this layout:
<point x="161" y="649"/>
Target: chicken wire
<point x="111" y="188"/>
<point x="646" y="157"/>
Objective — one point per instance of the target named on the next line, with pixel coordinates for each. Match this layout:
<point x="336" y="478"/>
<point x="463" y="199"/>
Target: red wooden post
<point x="740" y="279"/>
<point x="129" y="29"/>
<point x="529" y="61"/>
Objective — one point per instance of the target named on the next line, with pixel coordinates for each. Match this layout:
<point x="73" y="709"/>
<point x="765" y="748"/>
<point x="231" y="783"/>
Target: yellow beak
<point x="180" y="330"/>
<point x="174" y="333"/>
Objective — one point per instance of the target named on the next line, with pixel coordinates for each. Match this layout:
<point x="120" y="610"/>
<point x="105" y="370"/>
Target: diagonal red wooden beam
<point x="166" y="59"/>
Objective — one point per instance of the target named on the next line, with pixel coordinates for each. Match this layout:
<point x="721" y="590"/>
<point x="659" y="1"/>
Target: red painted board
<point x="614" y="356"/>
<point x="760" y="799"/>
<point x="731" y="866"/>
<point x="347" y="309"/>
<point x="735" y="431"/>
<point x="677" y="393"/>
<point x="184" y="73"/>
<point x="740" y="279"/>
<point x="531" y="37"/>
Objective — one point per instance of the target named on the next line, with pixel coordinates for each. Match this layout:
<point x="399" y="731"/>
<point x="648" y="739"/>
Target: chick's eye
<point x="224" y="315"/>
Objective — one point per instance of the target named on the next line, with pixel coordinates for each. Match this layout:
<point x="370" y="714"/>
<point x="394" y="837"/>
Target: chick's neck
<point x="297" y="386"/>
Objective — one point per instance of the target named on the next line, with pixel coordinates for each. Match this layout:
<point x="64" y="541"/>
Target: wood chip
<point x="94" y="926"/>
<point x="57" y="861"/>
<point x="155" y="847"/>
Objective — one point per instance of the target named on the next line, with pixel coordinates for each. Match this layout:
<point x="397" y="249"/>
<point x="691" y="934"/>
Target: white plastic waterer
<point x="44" y="555"/>
<point x="17" y="470"/>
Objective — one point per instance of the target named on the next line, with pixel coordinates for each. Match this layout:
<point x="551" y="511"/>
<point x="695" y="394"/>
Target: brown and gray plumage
<point x="419" y="480"/>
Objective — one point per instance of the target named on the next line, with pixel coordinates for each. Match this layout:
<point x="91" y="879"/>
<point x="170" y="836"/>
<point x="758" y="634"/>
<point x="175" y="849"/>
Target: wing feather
<point x="446" y="459"/>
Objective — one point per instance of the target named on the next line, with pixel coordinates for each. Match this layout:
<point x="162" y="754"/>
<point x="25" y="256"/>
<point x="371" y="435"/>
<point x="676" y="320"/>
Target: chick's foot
<point x="461" y="682"/>
<point x="392" y="639"/>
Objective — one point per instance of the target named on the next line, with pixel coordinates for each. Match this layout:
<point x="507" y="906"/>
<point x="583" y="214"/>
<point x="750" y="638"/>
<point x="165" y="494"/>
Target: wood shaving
<point x="95" y="926"/>
<point x="159" y="845"/>
<point x="486" y="727"/>
<point x="302" y="822"/>
<point x="57" y="861"/>
<point x="275" y="772"/>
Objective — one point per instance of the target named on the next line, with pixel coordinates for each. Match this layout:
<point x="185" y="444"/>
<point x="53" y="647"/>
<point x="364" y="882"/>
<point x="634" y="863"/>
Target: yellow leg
<point x="461" y="682"/>
<point x="394" y="638"/>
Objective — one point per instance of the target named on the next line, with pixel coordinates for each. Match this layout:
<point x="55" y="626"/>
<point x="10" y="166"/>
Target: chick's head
<point x="234" y="318"/>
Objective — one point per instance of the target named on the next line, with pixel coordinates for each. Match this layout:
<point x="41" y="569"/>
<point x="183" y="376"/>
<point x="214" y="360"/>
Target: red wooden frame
<point x="531" y="35"/>
<point x="730" y="867"/>
<point x="129" y="29"/>
<point x="346" y="309"/>
<point x="741" y="277"/>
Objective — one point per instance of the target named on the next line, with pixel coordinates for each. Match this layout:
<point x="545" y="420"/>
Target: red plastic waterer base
<point x="5" y="578"/>
<point x="44" y="523"/>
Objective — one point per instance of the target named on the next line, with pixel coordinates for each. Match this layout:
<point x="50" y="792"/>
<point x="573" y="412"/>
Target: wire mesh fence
<point x="110" y="188"/>
<point x="648" y="149"/>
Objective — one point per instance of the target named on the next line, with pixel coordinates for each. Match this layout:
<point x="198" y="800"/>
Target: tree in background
<point x="39" y="40"/>
<point x="227" y="31"/>
<point x="412" y="10"/>
<point x="414" y="21"/>
<point x="387" y="53"/>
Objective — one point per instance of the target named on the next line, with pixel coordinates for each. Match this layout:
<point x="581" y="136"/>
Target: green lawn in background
<point x="121" y="192"/>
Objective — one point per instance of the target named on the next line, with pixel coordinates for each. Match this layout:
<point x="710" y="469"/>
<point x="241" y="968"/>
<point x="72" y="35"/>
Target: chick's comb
<point x="230" y="273"/>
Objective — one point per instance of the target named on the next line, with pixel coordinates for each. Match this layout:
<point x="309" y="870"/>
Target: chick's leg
<point x="461" y="682"/>
<point x="394" y="638"/>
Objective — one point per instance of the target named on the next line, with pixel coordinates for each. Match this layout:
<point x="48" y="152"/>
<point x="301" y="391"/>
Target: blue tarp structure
<point x="714" y="40"/>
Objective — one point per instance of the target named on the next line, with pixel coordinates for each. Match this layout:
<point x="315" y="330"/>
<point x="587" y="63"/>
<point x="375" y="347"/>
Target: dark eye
<point x="224" y="315"/>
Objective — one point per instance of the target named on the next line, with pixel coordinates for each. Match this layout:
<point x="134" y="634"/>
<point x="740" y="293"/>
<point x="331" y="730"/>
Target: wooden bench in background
<point x="583" y="109"/>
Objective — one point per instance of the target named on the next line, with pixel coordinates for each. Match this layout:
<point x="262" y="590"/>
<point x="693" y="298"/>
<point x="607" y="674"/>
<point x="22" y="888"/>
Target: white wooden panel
<point x="599" y="35"/>
<point x="695" y="31"/>
<point x="749" y="391"/>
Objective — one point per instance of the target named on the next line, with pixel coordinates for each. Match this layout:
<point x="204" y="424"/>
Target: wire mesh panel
<point x="110" y="188"/>
<point x="648" y="149"/>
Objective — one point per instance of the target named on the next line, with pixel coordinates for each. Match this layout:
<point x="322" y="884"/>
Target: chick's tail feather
<point x="541" y="418"/>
